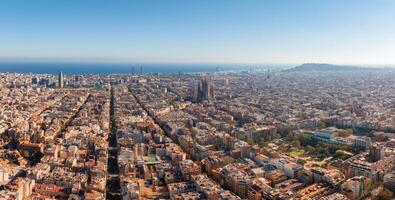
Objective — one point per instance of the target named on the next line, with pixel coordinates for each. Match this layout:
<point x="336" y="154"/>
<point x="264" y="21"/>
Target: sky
<point x="200" y="31"/>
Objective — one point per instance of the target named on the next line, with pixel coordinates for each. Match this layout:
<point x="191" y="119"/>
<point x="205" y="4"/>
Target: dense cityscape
<point x="276" y="135"/>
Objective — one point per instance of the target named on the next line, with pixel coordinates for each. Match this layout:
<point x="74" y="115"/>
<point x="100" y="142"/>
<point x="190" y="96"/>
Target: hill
<point x="307" y="67"/>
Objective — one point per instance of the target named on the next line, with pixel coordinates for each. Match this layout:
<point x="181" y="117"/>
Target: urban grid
<point x="254" y="134"/>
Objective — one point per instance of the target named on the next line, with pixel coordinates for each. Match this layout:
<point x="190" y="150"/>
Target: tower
<point x="61" y="80"/>
<point x="35" y="80"/>
<point x="132" y="70"/>
<point x="205" y="90"/>
<point x="141" y="70"/>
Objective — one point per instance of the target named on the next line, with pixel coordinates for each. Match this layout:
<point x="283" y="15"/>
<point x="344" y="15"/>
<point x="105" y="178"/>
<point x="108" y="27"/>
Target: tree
<point x="341" y="156"/>
<point x="321" y="150"/>
<point x="310" y="149"/>
<point x="371" y="133"/>
<point x="305" y="140"/>
<point x="296" y="144"/>
<point x="301" y="161"/>
<point x="383" y="137"/>
<point x="333" y="148"/>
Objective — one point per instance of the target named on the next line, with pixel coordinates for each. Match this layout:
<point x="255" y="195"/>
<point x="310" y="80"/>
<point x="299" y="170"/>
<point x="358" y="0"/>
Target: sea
<point x="76" y="68"/>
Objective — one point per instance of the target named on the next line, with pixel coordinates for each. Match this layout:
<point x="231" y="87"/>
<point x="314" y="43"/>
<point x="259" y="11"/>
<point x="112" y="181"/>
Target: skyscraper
<point x="141" y="70"/>
<point x="60" y="80"/>
<point x="205" y="90"/>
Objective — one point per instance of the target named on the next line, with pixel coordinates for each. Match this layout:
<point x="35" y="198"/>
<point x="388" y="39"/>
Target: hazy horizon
<point x="220" y="31"/>
<point x="176" y="63"/>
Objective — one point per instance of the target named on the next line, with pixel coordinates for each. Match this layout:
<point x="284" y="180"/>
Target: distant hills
<point x="307" y="67"/>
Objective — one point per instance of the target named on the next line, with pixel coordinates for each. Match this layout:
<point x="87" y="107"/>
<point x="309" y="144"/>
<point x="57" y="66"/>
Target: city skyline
<point x="197" y="99"/>
<point x="310" y="132"/>
<point x="335" y="32"/>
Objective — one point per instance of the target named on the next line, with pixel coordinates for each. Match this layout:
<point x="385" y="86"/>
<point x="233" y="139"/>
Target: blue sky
<point x="214" y="31"/>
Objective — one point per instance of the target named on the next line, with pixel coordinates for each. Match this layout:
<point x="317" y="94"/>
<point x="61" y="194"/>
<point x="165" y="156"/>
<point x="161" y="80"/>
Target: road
<point x="113" y="187"/>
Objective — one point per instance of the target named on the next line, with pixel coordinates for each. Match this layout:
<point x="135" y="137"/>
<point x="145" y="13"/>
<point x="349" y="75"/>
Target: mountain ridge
<point x="325" y="67"/>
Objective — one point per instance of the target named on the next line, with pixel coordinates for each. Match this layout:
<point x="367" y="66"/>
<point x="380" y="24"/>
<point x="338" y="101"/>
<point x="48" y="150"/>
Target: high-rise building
<point x="141" y="70"/>
<point x="376" y="153"/>
<point x="226" y="82"/>
<point x="35" y="80"/>
<point x="132" y="70"/>
<point x="205" y="90"/>
<point x="61" y="80"/>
